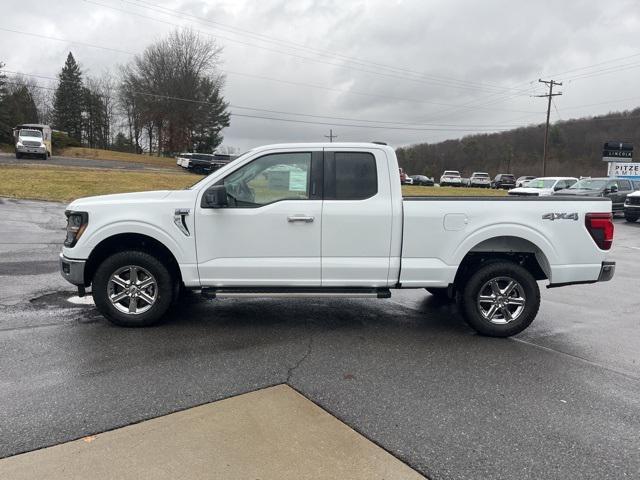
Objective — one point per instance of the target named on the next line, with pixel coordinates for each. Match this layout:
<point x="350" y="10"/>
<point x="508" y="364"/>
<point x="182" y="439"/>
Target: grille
<point x="634" y="200"/>
<point x="29" y="143"/>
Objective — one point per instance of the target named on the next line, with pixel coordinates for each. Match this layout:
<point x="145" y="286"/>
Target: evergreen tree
<point x="211" y="118"/>
<point x="68" y="100"/>
<point x="20" y="106"/>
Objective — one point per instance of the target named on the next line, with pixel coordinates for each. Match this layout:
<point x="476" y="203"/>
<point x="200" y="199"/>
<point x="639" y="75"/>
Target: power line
<point x="241" y="107"/>
<point x="307" y="122"/>
<point x="299" y="46"/>
<point x="550" y="95"/>
<point x="302" y="57"/>
<point x="352" y="92"/>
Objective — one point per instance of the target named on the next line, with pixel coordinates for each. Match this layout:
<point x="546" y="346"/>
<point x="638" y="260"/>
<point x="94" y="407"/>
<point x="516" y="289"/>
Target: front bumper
<point x="27" y="149"/>
<point x="72" y="270"/>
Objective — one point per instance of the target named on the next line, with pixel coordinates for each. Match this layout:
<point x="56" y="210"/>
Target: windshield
<point x="589" y="184"/>
<point x="546" y="183"/>
<point x="31" y="133"/>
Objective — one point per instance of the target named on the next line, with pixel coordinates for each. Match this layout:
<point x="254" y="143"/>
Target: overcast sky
<point x="433" y="69"/>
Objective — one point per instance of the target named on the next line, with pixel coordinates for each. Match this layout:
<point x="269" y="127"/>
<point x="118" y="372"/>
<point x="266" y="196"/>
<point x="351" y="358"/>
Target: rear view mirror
<point x="215" y="197"/>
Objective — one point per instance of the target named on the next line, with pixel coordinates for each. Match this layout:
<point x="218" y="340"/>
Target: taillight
<point x="600" y="227"/>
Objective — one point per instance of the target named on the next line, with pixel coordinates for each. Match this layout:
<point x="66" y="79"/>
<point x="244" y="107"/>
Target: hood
<point x="582" y="192"/>
<point x="120" y="198"/>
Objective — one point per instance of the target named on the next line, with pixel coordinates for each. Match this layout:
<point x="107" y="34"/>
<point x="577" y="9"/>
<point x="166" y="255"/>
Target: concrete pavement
<point x="273" y="433"/>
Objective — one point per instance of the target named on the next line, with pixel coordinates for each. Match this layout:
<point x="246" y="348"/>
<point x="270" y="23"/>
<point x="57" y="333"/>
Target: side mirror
<point x="215" y="197"/>
<point x="613" y="188"/>
<point x="557" y="187"/>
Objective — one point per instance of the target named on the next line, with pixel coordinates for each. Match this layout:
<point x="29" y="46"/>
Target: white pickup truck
<point x="330" y="220"/>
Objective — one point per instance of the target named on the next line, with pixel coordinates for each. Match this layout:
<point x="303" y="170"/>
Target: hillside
<point x="575" y="148"/>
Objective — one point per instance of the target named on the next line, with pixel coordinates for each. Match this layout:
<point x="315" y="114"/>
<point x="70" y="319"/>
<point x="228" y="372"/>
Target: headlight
<point x="76" y="225"/>
<point x="19" y="144"/>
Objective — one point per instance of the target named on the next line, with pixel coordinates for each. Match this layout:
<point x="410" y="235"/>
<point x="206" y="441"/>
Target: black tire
<point x="441" y="293"/>
<point x="163" y="289"/>
<point x="44" y="156"/>
<point x="18" y="156"/>
<point x="630" y="218"/>
<point x="526" y="289"/>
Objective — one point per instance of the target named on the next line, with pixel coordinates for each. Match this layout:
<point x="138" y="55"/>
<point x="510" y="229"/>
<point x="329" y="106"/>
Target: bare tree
<point x="175" y="86"/>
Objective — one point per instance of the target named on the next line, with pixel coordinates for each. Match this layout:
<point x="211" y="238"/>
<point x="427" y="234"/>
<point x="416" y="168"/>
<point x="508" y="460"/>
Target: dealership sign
<point x="626" y="169"/>
<point x="617" y="152"/>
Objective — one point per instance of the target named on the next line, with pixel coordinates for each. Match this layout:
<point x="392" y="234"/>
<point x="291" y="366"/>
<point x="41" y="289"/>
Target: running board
<point x="230" y="292"/>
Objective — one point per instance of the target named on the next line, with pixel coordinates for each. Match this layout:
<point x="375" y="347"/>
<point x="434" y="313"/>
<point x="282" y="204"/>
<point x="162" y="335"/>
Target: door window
<point x="269" y="179"/>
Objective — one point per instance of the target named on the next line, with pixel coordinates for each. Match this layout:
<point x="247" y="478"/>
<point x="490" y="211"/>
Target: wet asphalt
<point x="560" y="400"/>
<point x="10" y="159"/>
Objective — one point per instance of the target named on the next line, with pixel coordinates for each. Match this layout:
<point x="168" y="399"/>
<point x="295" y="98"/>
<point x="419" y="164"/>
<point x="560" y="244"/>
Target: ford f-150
<point x="330" y="220"/>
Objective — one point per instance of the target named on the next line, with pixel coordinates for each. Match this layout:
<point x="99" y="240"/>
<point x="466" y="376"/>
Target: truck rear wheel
<point x="500" y="299"/>
<point x="132" y="289"/>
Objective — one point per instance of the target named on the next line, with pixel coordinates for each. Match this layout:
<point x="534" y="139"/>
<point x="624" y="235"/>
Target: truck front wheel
<point x="500" y="299"/>
<point x="132" y="289"/>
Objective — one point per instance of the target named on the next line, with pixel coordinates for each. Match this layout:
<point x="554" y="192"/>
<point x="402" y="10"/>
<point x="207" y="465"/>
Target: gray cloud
<point x="485" y="57"/>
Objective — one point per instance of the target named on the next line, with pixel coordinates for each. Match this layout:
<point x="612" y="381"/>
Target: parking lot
<point x="561" y="400"/>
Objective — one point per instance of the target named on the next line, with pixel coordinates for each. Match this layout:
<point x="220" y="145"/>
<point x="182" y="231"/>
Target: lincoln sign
<point x="617" y="152"/>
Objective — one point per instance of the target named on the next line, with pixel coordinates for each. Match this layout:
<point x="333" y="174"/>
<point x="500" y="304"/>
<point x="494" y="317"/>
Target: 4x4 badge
<point x="560" y="216"/>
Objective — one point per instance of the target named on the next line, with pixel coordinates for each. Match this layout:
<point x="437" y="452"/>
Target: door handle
<point x="300" y="218"/>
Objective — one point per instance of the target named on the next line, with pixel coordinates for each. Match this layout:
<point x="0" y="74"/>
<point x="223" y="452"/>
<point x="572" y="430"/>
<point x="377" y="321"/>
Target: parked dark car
<point x="616" y="189"/>
<point x="203" y="163"/>
<point x="422" y="180"/>
<point x="504" y="180"/>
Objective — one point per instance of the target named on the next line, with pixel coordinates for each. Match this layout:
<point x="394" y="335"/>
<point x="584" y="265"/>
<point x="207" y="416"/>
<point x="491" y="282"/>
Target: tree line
<point x="166" y="100"/>
<point x="575" y="148"/>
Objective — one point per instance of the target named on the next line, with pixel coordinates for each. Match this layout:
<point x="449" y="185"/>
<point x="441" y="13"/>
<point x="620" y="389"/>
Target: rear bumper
<point x="607" y="270"/>
<point x="72" y="270"/>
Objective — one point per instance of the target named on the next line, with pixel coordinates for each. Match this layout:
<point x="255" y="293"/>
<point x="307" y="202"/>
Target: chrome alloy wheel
<point x="501" y="300"/>
<point x="132" y="290"/>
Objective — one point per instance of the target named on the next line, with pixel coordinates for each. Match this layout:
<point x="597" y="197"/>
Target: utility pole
<point x="331" y="136"/>
<point x="550" y="95"/>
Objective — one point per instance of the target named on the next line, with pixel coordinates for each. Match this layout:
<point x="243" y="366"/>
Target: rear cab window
<point x="350" y="175"/>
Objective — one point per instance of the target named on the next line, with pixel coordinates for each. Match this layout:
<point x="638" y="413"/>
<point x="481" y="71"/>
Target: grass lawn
<point x="65" y="184"/>
<point x="97" y="154"/>
<point x="416" y="190"/>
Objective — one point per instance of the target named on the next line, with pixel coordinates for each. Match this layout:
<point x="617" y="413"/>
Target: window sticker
<point x="297" y="181"/>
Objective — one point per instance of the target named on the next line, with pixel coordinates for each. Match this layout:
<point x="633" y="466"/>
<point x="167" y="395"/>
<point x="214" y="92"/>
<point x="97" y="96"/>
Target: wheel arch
<point x="511" y="248"/>
<point x="130" y="241"/>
